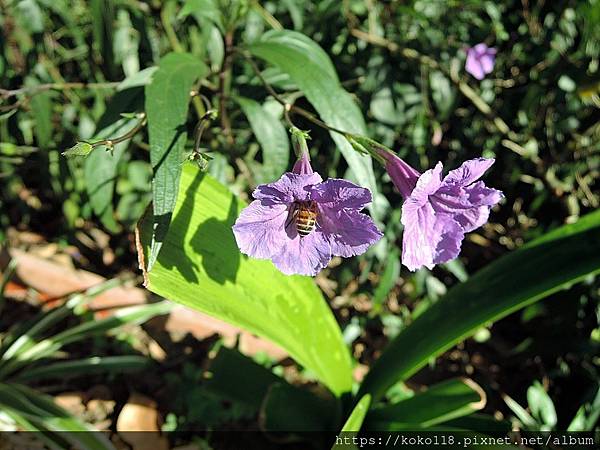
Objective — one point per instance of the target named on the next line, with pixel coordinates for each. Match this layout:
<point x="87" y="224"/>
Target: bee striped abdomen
<point x="306" y="218"/>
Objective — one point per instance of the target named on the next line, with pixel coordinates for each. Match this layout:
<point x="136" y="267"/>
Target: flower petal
<point x="303" y="256"/>
<point x="302" y="166"/>
<point x="481" y="199"/>
<point x="451" y="237"/>
<point x="487" y="62"/>
<point x="419" y="239"/>
<point x="480" y="194"/>
<point x="341" y="194"/>
<point x="403" y="175"/>
<point x="349" y="233"/>
<point x="427" y="184"/>
<point x="470" y="206"/>
<point x="469" y="171"/>
<point x="473" y="66"/>
<point x="429" y="238"/>
<point x="289" y="188"/>
<point x="260" y="230"/>
<point x="480" y="49"/>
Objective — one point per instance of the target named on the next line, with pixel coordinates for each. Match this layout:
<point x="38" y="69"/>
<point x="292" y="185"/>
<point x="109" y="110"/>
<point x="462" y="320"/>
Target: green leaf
<point x="141" y="78"/>
<point x="541" y="405"/>
<point x="357" y="416"/>
<point x="87" y="366"/>
<point x="311" y="69"/>
<point x="516" y="280"/>
<point x="225" y="378"/>
<point x="41" y="107"/>
<point x="207" y="9"/>
<point x="49" y="346"/>
<point x="100" y="167"/>
<point x="101" y="173"/>
<point x="167" y="98"/>
<point x="201" y="267"/>
<point x="526" y="420"/>
<point x="354" y="423"/>
<point x="79" y="149"/>
<point x="587" y="415"/>
<point x="388" y="278"/>
<point x="290" y="409"/>
<point x="439" y="403"/>
<point x="39" y="410"/>
<point x="24" y="336"/>
<point x="272" y="137"/>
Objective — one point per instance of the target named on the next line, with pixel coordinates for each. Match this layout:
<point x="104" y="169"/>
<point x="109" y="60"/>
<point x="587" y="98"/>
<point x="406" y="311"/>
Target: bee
<point x="305" y="216"/>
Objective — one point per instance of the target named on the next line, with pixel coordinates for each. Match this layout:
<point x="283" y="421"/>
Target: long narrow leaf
<point x="25" y="337"/>
<point x="440" y="403"/>
<point x="46" y="347"/>
<point x="37" y="408"/>
<point x="512" y="282"/>
<point x="353" y="424"/>
<point x="85" y="366"/>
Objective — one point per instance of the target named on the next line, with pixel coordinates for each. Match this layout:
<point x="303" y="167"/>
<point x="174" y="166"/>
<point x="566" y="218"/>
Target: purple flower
<point x="437" y="212"/>
<point x="299" y="222"/>
<point x="480" y="60"/>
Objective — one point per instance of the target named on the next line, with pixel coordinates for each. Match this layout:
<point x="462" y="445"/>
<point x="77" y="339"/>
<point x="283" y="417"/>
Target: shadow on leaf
<point x="214" y="240"/>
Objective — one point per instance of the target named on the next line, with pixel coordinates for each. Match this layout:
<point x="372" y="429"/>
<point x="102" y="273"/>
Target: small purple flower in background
<point x="438" y="212"/>
<point x="480" y="60"/>
<point x="300" y="222"/>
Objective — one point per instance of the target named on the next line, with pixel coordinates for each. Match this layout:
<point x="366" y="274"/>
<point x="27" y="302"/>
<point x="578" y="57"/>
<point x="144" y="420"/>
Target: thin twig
<point x="112" y="142"/>
<point x="32" y="90"/>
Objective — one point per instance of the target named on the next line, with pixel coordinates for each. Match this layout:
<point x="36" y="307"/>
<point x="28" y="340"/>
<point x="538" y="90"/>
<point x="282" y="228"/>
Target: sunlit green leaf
<point x="353" y="424"/>
<point x="201" y="266"/>
<point x="541" y="405"/>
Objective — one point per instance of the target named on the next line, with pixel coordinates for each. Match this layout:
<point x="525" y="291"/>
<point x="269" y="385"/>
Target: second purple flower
<point x="438" y="211"/>
<point x="300" y="221"/>
<point x="480" y="60"/>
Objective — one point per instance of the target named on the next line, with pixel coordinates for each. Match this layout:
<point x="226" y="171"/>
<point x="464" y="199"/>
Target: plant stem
<point x="165" y="18"/>
<point x="112" y="142"/>
<point x="267" y="16"/>
<point x="224" y="87"/>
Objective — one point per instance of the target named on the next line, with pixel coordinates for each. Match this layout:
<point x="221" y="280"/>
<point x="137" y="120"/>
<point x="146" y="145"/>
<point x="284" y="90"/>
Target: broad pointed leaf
<point x="201" y="267"/>
<point x="167" y="99"/>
